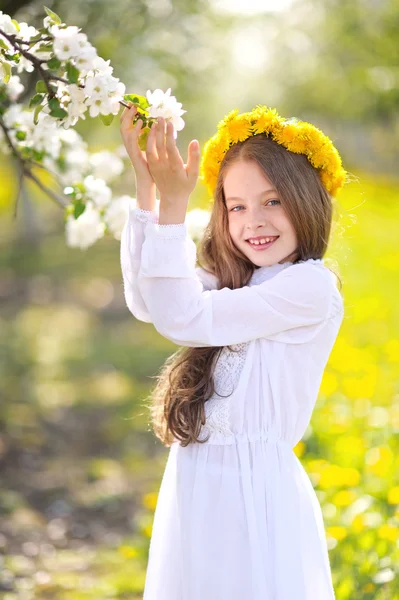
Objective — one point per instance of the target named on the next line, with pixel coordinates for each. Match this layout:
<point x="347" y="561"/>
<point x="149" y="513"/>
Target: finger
<point x="171" y="148"/>
<point x="128" y="113"/>
<point x="151" y="151"/>
<point x="160" y="139"/>
<point x="135" y="134"/>
<point x="193" y="161"/>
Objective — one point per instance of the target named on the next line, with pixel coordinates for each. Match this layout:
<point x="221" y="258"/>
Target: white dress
<point x="237" y="518"/>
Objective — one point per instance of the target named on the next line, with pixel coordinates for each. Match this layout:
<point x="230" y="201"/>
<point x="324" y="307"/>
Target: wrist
<point x="172" y="215"/>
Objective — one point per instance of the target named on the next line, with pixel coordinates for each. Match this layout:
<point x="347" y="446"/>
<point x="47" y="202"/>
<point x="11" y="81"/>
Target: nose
<point x="255" y="218"/>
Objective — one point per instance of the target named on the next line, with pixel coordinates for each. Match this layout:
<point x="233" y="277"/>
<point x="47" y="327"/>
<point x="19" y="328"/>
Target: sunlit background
<point x="80" y="467"/>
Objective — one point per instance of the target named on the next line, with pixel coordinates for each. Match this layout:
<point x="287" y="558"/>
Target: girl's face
<point x="255" y="211"/>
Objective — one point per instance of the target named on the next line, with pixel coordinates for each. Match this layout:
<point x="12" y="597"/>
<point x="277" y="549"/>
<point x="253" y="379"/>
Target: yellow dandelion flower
<point x="337" y="532"/>
<point x="229" y="117"/>
<point x="388" y="532"/>
<point x="344" y="498"/>
<point x="358" y="523"/>
<point x="266" y="122"/>
<point x="325" y="179"/>
<point x="150" y="500"/>
<point x="238" y="130"/>
<point x="127" y="551"/>
<point x="393" y="495"/>
<point x="286" y="135"/>
<point x="320" y="158"/>
<point x="298" y="146"/>
<point x="300" y="449"/>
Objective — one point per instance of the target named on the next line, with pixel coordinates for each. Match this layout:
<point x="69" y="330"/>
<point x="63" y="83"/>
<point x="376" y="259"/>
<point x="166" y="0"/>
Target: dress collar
<point x="265" y="273"/>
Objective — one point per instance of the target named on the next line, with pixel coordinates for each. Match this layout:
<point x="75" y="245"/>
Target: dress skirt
<point x="237" y="521"/>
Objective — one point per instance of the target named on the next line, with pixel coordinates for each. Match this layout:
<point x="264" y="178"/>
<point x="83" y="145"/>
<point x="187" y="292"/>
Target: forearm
<point x="146" y="196"/>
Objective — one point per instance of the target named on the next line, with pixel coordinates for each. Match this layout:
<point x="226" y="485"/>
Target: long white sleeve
<point x="132" y="239"/>
<point x="298" y="299"/>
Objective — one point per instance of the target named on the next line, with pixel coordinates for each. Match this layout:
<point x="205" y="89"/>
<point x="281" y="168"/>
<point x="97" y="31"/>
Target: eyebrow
<point x="230" y="198"/>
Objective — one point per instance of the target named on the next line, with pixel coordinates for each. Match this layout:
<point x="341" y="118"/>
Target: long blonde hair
<point x="185" y="381"/>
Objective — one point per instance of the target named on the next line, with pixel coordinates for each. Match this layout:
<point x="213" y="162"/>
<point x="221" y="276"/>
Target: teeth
<point x="261" y="241"/>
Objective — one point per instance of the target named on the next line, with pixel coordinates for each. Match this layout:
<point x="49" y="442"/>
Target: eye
<point x="238" y="206"/>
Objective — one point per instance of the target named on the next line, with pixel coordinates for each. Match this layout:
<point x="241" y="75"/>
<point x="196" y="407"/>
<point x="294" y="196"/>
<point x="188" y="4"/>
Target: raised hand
<point x="174" y="179"/>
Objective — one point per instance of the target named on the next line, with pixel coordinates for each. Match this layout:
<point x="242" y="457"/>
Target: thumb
<point x="193" y="161"/>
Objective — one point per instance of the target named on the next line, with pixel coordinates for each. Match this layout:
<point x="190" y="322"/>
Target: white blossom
<point x="106" y="165"/>
<point x="26" y="32"/>
<point x="116" y="97"/>
<point x="47" y="22"/>
<point x="102" y="66"/>
<point x="103" y="93"/>
<point x="196" y="222"/>
<point x="164" y="105"/>
<point x="17" y="119"/>
<point x="45" y="135"/>
<point x="86" y="229"/>
<point x="14" y="88"/>
<point x="68" y="42"/>
<point x="96" y="88"/>
<point x="97" y="191"/>
<point x="25" y="65"/>
<point x="72" y="98"/>
<point x="75" y="157"/>
<point x="117" y="213"/>
<point x="86" y="59"/>
<point x="384" y="576"/>
<point x="6" y="24"/>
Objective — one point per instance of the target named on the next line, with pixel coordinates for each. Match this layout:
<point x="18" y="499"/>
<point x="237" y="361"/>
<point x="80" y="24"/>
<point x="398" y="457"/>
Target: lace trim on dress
<point x="226" y="375"/>
<point x="146" y="216"/>
<point x="169" y="231"/>
<point x="312" y="260"/>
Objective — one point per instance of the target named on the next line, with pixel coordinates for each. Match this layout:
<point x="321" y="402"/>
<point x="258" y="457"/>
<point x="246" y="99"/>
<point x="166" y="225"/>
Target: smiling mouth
<point x="259" y="246"/>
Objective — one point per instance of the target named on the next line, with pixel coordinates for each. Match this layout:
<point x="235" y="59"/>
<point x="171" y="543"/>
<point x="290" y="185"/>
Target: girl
<point x="237" y="517"/>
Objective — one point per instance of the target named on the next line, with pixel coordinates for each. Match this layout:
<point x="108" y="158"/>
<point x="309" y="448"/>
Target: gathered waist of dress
<point x="245" y="438"/>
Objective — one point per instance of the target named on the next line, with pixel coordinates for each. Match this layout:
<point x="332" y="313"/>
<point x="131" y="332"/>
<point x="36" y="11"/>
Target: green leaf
<point x="45" y="47"/>
<point x="20" y="135"/>
<point x="14" y="57"/>
<point x="54" y="103"/>
<point x="143" y="138"/>
<point x="3" y="44"/>
<point x="58" y="113"/>
<point x="53" y="15"/>
<point x="7" y="72"/>
<point x="36" y="113"/>
<point x="72" y="73"/>
<point x="41" y="87"/>
<point x="79" y="208"/>
<point x="38" y="154"/>
<point x="107" y="119"/>
<point x="14" y="22"/>
<point x="138" y="100"/>
<point x="37" y="99"/>
<point x="54" y="63"/>
<point x="37" y="37"/>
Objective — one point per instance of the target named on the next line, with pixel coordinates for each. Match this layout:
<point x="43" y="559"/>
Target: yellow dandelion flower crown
<point x="297" y="136"/>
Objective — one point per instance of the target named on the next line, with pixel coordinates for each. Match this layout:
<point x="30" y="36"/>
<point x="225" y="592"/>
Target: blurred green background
<point x="80" y="467"/>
